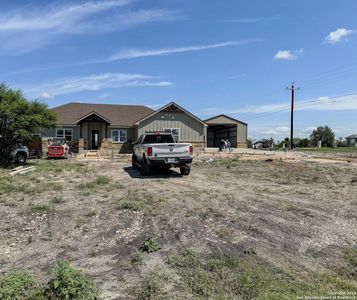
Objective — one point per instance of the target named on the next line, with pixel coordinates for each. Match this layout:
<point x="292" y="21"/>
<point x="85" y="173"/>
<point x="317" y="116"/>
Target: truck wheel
<point x="185" y="170"/>
<point x="21" y="158"/>
<point x="133" y="162"/>
<point x="145" y="168"/>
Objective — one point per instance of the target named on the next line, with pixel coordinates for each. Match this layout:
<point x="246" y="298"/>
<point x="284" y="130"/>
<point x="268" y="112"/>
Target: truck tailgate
<point x="171" y="150"/>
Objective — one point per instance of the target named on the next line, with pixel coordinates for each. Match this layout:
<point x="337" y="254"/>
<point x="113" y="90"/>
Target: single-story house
<point x="88" y="126"/>
<point x="352" y="140"/>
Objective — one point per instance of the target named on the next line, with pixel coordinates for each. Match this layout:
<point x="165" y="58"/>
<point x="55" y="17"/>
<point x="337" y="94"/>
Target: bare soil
<point x="293" y="216"/>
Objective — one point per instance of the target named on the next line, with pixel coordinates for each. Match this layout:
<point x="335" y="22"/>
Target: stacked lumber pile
<point x="21" y="170"/>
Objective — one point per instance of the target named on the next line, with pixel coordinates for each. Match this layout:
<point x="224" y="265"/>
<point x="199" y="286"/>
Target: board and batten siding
<point x="191" y="130"/>
<point x="221" y="120"/>
<point x="242" y="128"/>
<point x="242" y="133"/>
<point x="51" y="133"/>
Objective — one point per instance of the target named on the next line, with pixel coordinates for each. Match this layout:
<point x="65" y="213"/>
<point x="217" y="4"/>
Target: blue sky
<point x="233" y="57"/>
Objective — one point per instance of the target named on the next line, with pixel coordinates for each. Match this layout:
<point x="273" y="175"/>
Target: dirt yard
<point x="233" y="229"/>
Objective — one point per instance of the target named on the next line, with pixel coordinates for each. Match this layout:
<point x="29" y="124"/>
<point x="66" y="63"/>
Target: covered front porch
<point x="93" y="131"/>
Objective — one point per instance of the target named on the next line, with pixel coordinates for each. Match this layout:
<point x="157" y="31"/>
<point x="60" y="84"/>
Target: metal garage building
<point x="224" y="127"/>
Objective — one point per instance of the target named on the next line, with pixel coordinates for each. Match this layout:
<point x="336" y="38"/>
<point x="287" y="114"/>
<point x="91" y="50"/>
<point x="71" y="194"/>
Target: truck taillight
<point x="149" y="151"/>
<point x="191" y="149"/>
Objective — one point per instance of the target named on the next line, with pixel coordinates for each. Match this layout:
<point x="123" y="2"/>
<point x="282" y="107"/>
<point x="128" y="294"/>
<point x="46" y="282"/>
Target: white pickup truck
<point x="160" y="149"/>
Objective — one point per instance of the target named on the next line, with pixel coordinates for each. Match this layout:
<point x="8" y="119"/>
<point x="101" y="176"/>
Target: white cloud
<point x="135" y="53"/>
<point x="93" y="83"/>
<point x="46" y="95"/>
<point x="29" y="29"/>
<point x="346" y="102"/>
<point x="282" y="129"/>
<point x="257" y="109"/>
<point x="309" y="129"/>
<point x="277" y="131"/>
<point x="288" y="54"/>
<point x="338" y="35"/>
<point x="55" y="18"/>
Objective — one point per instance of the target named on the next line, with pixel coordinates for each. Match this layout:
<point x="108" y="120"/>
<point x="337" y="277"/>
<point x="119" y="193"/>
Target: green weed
<point x="41" y="208"/>
<point x="68" y="283"/>
<point x="150" y="245"/>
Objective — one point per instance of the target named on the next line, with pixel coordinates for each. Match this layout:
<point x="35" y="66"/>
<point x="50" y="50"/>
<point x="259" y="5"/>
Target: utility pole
<point x="292" y="89"/>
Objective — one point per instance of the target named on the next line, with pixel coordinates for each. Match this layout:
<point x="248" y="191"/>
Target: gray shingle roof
<point x="125" y="115"/>
<point x="353" y="136"/>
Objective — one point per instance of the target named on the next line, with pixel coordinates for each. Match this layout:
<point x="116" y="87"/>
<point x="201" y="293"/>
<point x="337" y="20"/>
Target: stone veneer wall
<point x="109" y="146"/>
<point x="242" y="145"/>
<point x="197" y="145"/>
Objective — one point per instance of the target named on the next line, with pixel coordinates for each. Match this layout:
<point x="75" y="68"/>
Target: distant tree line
<point x="322" y="133"/>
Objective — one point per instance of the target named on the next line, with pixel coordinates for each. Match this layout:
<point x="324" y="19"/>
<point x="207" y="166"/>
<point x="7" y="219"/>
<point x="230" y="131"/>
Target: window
<point x="158" y="139"/>
<point x="64" y="133"/>
<point x="175" y="132"/>
<point x="119" y="136"/>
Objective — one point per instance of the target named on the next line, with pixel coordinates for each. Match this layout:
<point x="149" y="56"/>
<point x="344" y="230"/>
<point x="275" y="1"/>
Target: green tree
<point x="323" y="134"/>
<point x="20" y="118"/>
<point x="303" y="143"/>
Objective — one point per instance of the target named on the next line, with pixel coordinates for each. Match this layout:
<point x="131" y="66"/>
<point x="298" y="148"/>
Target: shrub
<point x="153" y="288"/>
<point x="137" y="258"/>
<point x="68" y="283"/>
<point x="19" y="285"/>
<point x="150" y="245"/>
<point x="130" y="205"/>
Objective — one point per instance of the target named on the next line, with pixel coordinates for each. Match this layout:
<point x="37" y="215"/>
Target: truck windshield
<point x="158" y="138"/>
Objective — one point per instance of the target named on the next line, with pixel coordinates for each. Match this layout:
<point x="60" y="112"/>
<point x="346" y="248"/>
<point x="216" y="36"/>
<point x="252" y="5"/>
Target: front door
<point x="95" y="139"/>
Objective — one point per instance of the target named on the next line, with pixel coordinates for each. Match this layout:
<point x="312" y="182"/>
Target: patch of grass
<point x="141" y="200"/>
<point x="100" y="181"/>
<point x="330" y="150"/>
<point x="290" y="207"/>
<point x="230" y="162"/>
<point x="150" y="245"/>
<point x="26" y="186"/>
<point x="41" y="208"/>
<point x="131" y="205"/>
<point x="153" y="287"/>
<point x="60" y="166"/>
<point x="206" y="212"/>
<point x="19" y="285"/>
<point x="230" y="277"/>
<point x="57" y="199"/>
<point x="349" y="268"/>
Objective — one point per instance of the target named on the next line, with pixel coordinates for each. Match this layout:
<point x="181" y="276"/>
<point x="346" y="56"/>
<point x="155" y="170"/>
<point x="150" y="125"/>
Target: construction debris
<point x="21" y="170"/>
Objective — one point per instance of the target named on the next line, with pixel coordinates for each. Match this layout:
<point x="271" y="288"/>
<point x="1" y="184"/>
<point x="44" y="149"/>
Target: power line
<point x="303" y="104"/>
